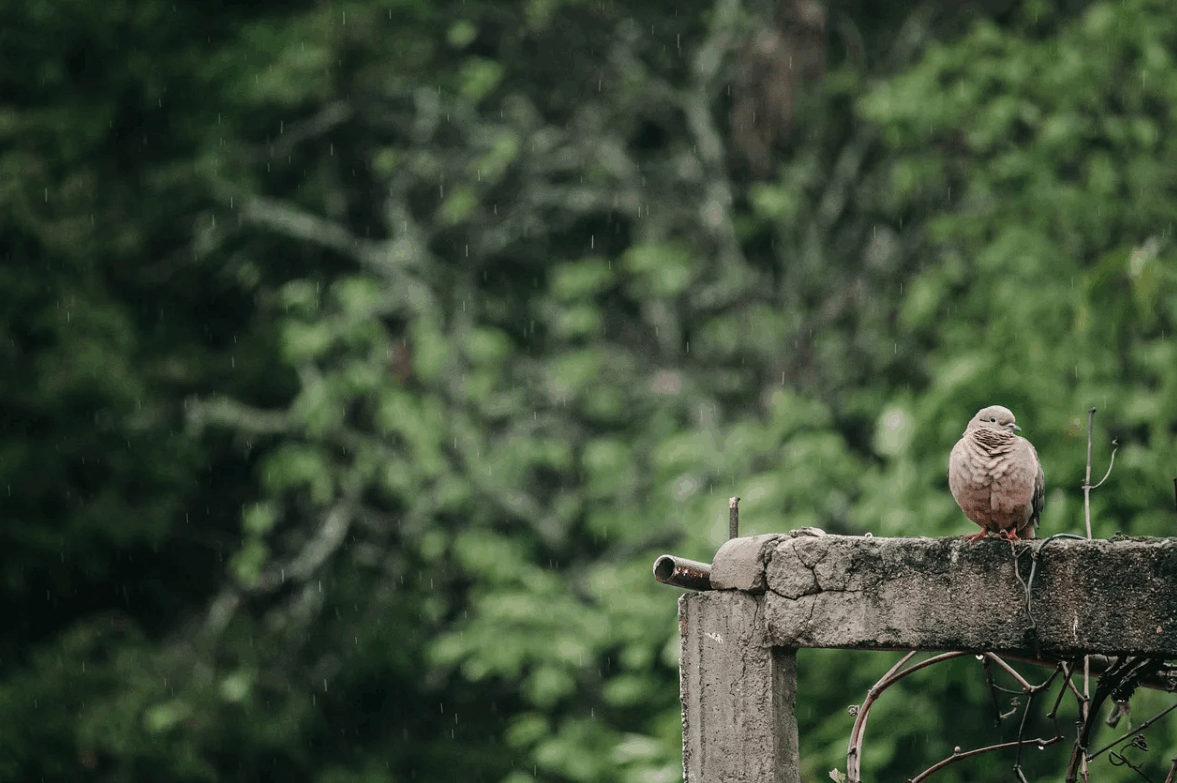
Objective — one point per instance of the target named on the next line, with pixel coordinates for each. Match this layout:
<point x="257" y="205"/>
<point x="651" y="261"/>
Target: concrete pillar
<point x="738" y="693"/>
<point x="1047" y="600"/>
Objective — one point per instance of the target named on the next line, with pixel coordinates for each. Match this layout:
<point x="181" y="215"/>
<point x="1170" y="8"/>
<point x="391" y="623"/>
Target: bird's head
<point x="995" y="417"/>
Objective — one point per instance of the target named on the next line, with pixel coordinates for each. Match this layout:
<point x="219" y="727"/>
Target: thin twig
<point x="1085" y="704"/>
<point x="1062" y="692"/>
<point x="1071" y="685"/>
<point x="978" y="751"/>
<point x="1026" y="715"/>
<point x="988" y="666"/>
<point x="1121" y="678"/>
<point x="1027" y="584"/>
<point x="1136" y="730"/>
<point x="1111" y="464"/>
<point x="1087" y="477"/>
<point x="893" y="675"/>
<point x="1172" y="767"/>
<point x="1026" y="686"/>
<point x="1164" y="680"/>
<point x="1086" y="711"/>
<point x="871" y="695"/>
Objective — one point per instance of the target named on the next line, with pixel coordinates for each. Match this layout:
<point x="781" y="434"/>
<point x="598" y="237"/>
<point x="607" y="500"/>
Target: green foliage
<point x="1063" y="296"/>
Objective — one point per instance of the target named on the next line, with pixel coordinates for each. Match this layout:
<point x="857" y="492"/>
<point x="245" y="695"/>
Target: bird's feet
<point x="1009" y="534"/>
<point x="975" y="536"/>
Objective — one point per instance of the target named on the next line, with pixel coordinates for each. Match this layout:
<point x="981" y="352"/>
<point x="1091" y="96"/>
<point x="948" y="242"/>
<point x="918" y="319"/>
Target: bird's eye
<point x="993" y="419"/>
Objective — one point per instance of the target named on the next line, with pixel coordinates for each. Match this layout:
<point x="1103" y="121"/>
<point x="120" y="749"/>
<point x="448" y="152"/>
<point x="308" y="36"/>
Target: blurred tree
<point x="115" y="522"/>
<point x="565" y="315"/>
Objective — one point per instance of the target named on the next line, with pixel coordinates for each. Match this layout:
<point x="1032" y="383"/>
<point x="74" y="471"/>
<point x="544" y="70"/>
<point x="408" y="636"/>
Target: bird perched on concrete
<point x="995" y="476"/>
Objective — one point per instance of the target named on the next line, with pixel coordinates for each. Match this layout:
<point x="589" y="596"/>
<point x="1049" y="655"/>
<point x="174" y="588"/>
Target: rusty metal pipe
<point x="680" y="572"/>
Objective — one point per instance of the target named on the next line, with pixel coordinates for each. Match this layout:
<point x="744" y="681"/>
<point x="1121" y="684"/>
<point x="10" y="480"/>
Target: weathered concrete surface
<point x="1110" y="597"/>
<point x="741" y="562"/>
<point x="738" y="693"/>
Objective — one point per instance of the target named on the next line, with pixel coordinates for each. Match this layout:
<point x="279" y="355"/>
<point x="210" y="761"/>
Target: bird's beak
<point x="1013" y="426"/>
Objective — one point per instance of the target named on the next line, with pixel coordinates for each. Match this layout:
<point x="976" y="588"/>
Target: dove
<point x="995" y="476"/>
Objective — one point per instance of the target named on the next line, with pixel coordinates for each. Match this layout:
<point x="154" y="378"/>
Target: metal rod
<point x="1087" y="477"/>
<point x="680" y="572"/>
<point x="733" y="518"/>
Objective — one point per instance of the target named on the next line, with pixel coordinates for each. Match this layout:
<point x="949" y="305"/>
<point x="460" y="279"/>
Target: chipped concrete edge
<point x="740" y="562"/>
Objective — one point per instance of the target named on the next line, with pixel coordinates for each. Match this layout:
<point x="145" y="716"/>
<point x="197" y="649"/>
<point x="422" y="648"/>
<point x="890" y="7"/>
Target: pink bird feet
<point x="1009" y="534"/>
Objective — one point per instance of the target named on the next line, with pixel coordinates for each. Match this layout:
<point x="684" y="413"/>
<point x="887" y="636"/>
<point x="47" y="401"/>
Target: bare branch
<point x="1028" y="584"/>
<point x="1052" y="716"/>
<point x="1026" y="686"/>
<point x="228" y="412"/>
<point x="220" y="612"/>
<point x="330" y="116"/>
<point x="330" y="536"/>
<point x="893" y="675"/>
<point x="1087" y="476"/>
<point x="1172" y="771"/>
<point x="1120" y="679"/>
<point x="1080" y="697"/>
<point x="988" y="667"/>
<point x="1111" y="464"/>
<point x="1135" y="730"/>
<point x="1175" y="493"/>
<point x="1031" y="691"/>
<point x="1042" y="743"/>
<point x="290" y="221"/>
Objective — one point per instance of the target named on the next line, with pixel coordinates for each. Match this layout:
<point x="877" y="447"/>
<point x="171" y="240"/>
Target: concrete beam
<point x="738" y="693"/>
<point x="1110" y="597"/>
